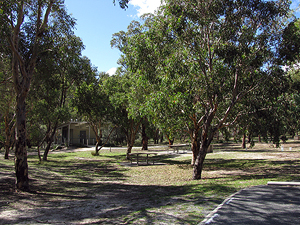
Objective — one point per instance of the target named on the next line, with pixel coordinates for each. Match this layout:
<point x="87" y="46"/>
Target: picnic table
<point x="141" y="156"/>
<point x="177" y="147"/>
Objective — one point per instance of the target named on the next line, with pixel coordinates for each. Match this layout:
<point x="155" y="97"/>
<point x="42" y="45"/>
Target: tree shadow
<point x="96" y="191"/>
<point x="248" y="169"/>
<point x="232" y="147"/>
<point x="114" y="204"/>
<point x="59" y="196"/>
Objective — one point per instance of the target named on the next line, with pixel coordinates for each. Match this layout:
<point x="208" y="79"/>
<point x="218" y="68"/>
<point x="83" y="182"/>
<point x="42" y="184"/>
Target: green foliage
<point x="290" y="45"/>
<point x="59" y="69"/>
<point x="92" y="102"/>
<point x="193" y="57"/>
<point x="123" y="3"/>
<point x="121" y="90"/>
<point x="7" y="102"/>
<point x="197" y="61"/>
<point x="289" y="52"/>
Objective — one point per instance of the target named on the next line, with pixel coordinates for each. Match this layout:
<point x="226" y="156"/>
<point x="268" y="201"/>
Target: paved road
<point x="259" y="205"/>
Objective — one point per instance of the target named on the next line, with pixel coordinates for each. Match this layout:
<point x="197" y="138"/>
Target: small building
<point x="75" y="133"/>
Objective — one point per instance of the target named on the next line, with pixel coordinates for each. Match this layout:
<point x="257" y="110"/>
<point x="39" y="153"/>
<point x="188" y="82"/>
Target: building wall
<point x="80" y="133"/>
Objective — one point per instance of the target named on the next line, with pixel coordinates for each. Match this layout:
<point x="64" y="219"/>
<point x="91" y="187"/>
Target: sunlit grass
<point x="226" y="171"/>
<point x="236" y="169"/>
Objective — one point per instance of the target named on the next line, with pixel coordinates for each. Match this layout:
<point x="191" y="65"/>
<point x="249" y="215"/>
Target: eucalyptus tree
<point x="132" y="93"/>
<point x="290" y="45"/>
<point x="201" y="59"/>
<point x="60" y="71"/>
<point x="92" y="102"/>
<point x="121" y="90"/>
<point x="7" y="104"/>
<point x="268" y="113"/>
<point x="135" y="91"/>
<point x="289" y="58"/>
<point x="23" y="24"/>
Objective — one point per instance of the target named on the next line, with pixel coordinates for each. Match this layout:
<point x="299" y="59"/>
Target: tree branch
<point x="39" y="32"/>
<point x="46" y="18"/>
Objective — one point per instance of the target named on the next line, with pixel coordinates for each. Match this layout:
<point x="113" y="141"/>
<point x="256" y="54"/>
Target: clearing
<point x="77" y="188"/>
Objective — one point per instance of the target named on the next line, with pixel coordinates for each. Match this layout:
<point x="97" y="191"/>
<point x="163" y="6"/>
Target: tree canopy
<point x="200" y="59"/>
<point x="26" y="28"/>
<point x="92" y="102"/>
<point x="196" y="66"/>
<point x="289" y="52"/>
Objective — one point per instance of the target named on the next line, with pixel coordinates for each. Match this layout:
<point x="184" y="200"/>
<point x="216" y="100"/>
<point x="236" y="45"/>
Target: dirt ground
<point x="89" y="200"/>
<point x="86" y="200"/>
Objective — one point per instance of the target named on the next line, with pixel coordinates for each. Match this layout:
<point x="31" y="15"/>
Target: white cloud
<point x="145" y="6"/>
<point x="112" y="71"/>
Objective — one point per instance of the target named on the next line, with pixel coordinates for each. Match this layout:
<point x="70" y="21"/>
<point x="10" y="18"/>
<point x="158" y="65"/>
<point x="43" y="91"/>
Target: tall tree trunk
<point x="97" y="148"/>
<point x="249" y="137"/>
<point x="207" y="136"/>
<point x="194" y="136"/>
<point x="21" y="164"/>
<point x="97" y="128"/>
<point x="47" y="149"/>
<point x="259" y="138"/>
<point x="244" y="141"/>
<point x="198" y="166"/>
<point x="129" y="148"/>
<point x="161" y="138"/>
<point x="39" y="153"/>
<point x="7" y="137"/>
<point x="156" y="136"/>
<point x="130" y="136"/>
<point x="171" y="141"/>
<point x="97" y="145"/>
<point x="6" y="156"/>
<point x="195" y="147"/>
<point x="22" y="70"/>
<point x="130" y="142"/>
<point x="50" y="141"/>
<point x="9" y="132"/>
<point x="144" y="138"/>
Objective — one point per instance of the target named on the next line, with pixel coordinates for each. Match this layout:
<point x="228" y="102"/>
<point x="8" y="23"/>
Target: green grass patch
<point x="148" y="194"/>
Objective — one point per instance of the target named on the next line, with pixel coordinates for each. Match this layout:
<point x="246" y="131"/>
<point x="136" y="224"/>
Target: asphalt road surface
<point x="259" y="205"/>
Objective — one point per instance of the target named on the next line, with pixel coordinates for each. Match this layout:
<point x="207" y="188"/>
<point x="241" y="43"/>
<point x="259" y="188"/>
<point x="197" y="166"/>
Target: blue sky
<point x="98" y="20"/>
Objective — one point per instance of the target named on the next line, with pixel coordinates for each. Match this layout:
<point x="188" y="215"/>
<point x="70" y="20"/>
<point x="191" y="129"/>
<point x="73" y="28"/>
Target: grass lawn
<point x="78" y="188"/>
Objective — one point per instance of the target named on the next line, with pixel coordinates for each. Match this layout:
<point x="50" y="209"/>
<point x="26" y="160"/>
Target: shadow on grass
<point x="248" y="169"/>
<point x="94" y="191"/>
<point x="113" y="203"/>
<point x="82" y="169"/>
<point x="72" y="191"/>
<point x="231" y="147"/>
<point x="163" y="158"/>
